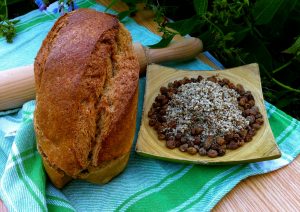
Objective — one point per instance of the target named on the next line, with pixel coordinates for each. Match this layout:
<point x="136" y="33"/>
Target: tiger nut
<point x="192" y="150"/>
<point x="212" y="153"/>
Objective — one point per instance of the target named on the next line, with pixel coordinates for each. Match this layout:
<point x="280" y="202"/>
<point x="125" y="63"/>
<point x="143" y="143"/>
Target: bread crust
<point x="86" y="76"/>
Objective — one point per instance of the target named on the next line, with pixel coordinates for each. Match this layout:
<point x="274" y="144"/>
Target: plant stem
<point x="257" y="32"/>
<point x="281" y="84"/>
<point x="285" y="86"/>
<point x="211" y="23"/>
<point x="282" y="67"/>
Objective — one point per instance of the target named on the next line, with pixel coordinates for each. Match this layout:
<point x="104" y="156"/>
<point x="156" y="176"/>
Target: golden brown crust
<point x="115" y="149"/>
<point x="119" y="140"/>
<point x="86" y="77"/>
<point x="110" y="169"/>
<point x="59" y="179"/>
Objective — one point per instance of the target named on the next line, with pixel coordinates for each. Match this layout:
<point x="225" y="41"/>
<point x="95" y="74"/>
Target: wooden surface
<point x="261" y="147"/>
<point x="275" y="191"/>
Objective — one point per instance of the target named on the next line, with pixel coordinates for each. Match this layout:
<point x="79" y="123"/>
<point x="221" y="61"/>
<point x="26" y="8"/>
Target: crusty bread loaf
<point x="86" y="76"/>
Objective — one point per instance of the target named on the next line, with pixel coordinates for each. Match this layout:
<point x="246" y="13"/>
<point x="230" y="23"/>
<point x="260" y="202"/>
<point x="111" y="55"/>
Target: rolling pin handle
<point x="185" y="49"/>
<point x="141" y="54"/>
<point x="16" y="87"/>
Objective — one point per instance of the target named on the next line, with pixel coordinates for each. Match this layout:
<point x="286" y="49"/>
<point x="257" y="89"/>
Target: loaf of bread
<point x="86" y="76"/>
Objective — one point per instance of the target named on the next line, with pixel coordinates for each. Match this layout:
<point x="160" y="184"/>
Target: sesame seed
<point x="206" y="104"/>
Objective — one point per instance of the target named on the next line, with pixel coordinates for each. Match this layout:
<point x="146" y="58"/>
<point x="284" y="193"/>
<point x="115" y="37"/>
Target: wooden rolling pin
<point x="17" y="85"/>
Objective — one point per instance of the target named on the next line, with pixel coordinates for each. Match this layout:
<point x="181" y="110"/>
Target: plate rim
<point x="204" y="160"/>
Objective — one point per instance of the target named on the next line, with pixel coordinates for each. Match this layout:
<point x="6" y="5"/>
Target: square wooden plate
<point x="261" y="147"/>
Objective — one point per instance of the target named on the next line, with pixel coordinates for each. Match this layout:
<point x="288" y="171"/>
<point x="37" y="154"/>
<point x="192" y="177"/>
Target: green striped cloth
<point x="146" y="184"/>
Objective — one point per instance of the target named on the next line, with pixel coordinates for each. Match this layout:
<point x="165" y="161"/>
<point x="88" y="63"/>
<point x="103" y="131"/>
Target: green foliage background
<point x="238" y="32"/>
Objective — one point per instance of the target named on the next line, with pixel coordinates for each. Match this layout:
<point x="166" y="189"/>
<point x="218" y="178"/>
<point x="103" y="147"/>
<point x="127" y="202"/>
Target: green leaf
<point x="294" y="48"/>
<point x="200" y="6"/>
<point x="206" y="38"/>
<point x="126" y="13"/>
<point x="297" y="57"/>
<point x="284" y="102"/>
<point x="133" y="1"/>
<point x="258" y="52"/>
<point x="123" y="14"/>
<point x="15" y="21"/>
<point x="282" y="15"/>
<point x="166" y="39"/>
<point x="3" y="8"/>
<point x="264" y="10"/>
<point x="240" y="34"/>
<point x="112" y="3"/>
<point x="186" y="26"/>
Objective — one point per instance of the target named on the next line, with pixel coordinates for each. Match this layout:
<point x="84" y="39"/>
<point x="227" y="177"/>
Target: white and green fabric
<point x="146" y="184"/>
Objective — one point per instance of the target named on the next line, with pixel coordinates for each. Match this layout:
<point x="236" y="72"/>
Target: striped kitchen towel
<point x="146" y="184"/>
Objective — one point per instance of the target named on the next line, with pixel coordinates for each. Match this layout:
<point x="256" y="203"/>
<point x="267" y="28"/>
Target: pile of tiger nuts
<point x="205" y="116"/>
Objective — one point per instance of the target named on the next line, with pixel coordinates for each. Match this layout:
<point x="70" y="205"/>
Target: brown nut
<point x="192" y="150"/>
<point x="152" y="122"/>
<point x="248" y="95"/>
<point x="251" y="102"/>
<point x="231" y="85"/>
<point x="193" y="80"/>
<point x="221" y="83"/>
<point x="202" y="151"/>
<point x="228" y="137"/>
<point x="226" y="81"/>
<point x="241" y="142"/>
<point x="240" y="89"/>
<point x="178" y="136"/>
<point x="259" y="121"/>
<point x="183" y="147"/>
<point x="243" y="133"/>
<point x="212" y="153"/>
<point x="163" y="90"/>
<point x="212" y="79"/>
<point x="172" y="124"/>
<point x="243" y="101"/>
<point x="232" y="145"/>
<point x="251" y="119"/>
<point x="150" y="113"/>
<point x="171" y="144"/>
<point x="199" y="78"/>
<point x="256" y="126"/>
<point x="190" y="143"/>
<point x="258" y="115"/>
<point x="186" y="80"/>
<point x="215" y="146"/>
<point x="220" y="140"/>
<point x="177" y="143"/>
<point x="183" y="140"/>
<point x="197" y="140"/>
<point x="161" y="137"/>
<point x="248" y="138"/>
<point x="221" y="152"/>
<point x="208" y="142"/>
<point x="197" y="130"/>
